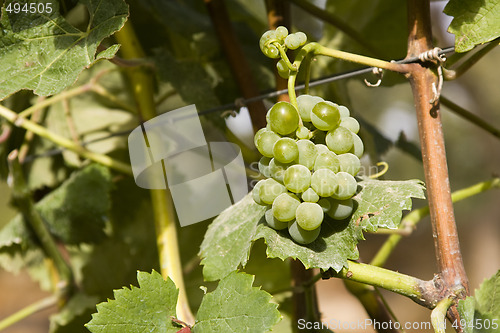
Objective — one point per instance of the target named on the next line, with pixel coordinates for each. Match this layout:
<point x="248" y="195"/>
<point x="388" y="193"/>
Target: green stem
<point x="166" y="233"/>
<point x="470" y="116"/>
<point x="438" y="315"/>
<point x="28" y="311"/>
<point x="291" y="90"/>
<point x="57" y="98"/>
<point x="360" y="59"/>
<point x="105" y="160"/>
<point x="411" y="220"/>
<point x="336" y="22"/>
<point x="22" y="196"/>
<point x="402" y="284"/>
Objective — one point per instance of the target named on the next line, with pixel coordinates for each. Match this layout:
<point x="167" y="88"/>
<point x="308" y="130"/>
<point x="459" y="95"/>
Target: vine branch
<point x="22" y="196"/>
<point x="449" y="258"/>
<point x="105" y="160"/>
<point x="166" y="233"/>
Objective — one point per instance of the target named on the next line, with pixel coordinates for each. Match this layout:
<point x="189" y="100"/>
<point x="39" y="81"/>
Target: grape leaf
<point x="488" y="296"/>
<point x="181" y="73"/>
<point x="474" y="22"/>
<point x="147" y="308"/>
<point x="73" y="212"/>
<point x="228" y="239"/>
<point x="380" y="203"/>
<point x="44" y="53"/>
<point x="466" y="310"/>
<point x="481" y="312"/>
<point x="335" y="244"/>
<point x="236" y="306"/>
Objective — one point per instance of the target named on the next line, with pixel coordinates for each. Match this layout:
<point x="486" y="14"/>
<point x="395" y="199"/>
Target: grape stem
<point x="438" y="315"/>
<point x="310" y="50"/>
<point x="283" y="55"/>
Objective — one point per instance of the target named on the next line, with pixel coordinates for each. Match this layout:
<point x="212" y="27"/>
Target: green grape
<point x="357" y="148"/>
<point x="321" y="148"/>
<point x="302" y="132"/>
<point x="340" y="209"/>
<point x="325" y="204"/>
<point x="327" y="160"/>
<point x="309" y="215"/>
<point x="284" y="206"/>
<point x="349" y="163"/>
<point x="305" y="105"/>
<point x="325" y="116"/>
<point x="256" y="192"/>
<point x="273" y="222"/>
<point x="283" y="69"/>
<point x="339" y="140"/>
<point x="267" y="48"/>
<point x="324" y="182"/>
<point x="266" y="141"/>
<point x="307" y="153"/>
<point x="264" y="166"/>
<point x="285" y="150"/>
<point x="302" y="236"/>
<point x="281" y="33"/>
<point x="310" y="196"/>
<point x="293" y="41"/>
<point x="301" y="38"/>
<point x="346" y="188"/>
<point x="278" y="169"/>
<point x="350" y="123"/>
<point x="269" y="190"/>
<point x="297" y="178"/>
<point x="257" y="135"/>
<point x="284" y="118"/>
<point x="344" y="111"/>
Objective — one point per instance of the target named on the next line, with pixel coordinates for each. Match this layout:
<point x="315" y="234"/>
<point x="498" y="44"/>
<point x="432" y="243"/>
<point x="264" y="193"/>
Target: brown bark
<point x="449" y="258"/>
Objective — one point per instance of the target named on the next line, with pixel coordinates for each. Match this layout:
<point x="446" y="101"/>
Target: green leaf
<point x="44" y="53"/>
<point x="380" y="203"/>
<point x="474" y="22"/>
<point x="229" y="238"/>
<point x="236" y="306"/>
<point x="488" y="296"/>
<point x="466" y="310"/>
<point x="148" y="308"/>
<point x="335" y="244"/>
<point x="74" y="212"/>
<point x="481" y="313"/>
<point x="181" y="73"/>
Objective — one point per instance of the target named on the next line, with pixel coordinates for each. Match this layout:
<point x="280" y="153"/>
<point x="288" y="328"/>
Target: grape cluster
<point x="310" y="157"/>
<point x="286" y="41"/>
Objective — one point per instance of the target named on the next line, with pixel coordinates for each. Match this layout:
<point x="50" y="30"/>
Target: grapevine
<point x="311" y="151"/>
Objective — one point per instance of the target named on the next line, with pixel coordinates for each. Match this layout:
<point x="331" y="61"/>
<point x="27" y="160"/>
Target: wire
<point x="242" y="101"/>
